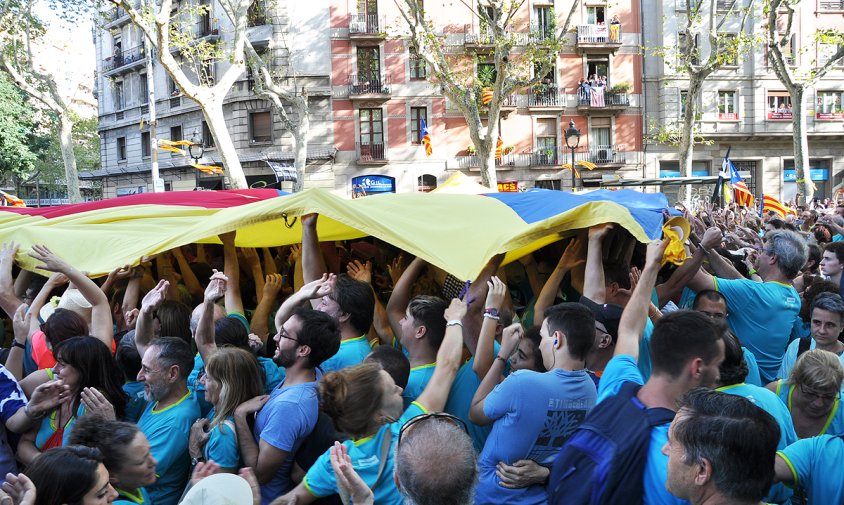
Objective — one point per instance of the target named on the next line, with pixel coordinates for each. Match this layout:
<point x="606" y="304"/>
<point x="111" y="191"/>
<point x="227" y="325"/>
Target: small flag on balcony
<point x="172" y="149"/>
<point x="426" y="137"/>
<point x="486" y="95"/>
<point x="499" y="148"/>
<point x="208" y="169"/>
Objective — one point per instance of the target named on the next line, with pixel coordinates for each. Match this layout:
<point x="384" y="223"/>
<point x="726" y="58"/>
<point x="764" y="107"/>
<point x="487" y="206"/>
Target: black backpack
<point x="604" y="461"/>
<point x="804" y="345"/>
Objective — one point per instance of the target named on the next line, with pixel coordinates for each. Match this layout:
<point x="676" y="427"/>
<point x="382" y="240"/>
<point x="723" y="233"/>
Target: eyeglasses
<point x="442" y="416"/>
<point x="713" y="315"/>
<point x="814" y="395"/>
<point x="283" y="334"/>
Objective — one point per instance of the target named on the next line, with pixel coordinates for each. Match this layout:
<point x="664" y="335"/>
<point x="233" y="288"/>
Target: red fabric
<point x="55" y="440"/>
<point x="42" y="355"/>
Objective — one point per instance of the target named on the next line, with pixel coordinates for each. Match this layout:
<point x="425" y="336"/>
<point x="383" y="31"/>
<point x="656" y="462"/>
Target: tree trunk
<point x="687" y="136"/>
<point x="300" y="141"/>
<point x="228" y="154"/>
<point x="805" y="190"/>
<point x="69" y="158"/>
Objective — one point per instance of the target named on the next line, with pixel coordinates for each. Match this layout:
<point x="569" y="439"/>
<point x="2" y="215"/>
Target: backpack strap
<point x="657" y="415"/>
<point x="385" y="452"/>
<point x="803" y="346"/>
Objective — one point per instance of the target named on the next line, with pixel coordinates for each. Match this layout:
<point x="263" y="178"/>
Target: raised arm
<point x="310" y="291"/>
<point x="313" y="263"/>
<point x="188" y="277"/>
<point x="231" y="268"/>
<point x="261" y="317"/>
<point x="571" y="258"/>
<point x="143" y="328"/>
<point x="380" y="331"/>
<point x="397" y="304"/>
<point x="495" y="374"/>
<point x="434" y="396"/>
<point x="702" y="280"/>
<point x="102" y="325"/>
<point x="594" y="285"/>
<point x="473" y="321"/>
<point x="253" y="266"/>
<point x="484" y="352"/>
<point x="635" y="314"/>
<point x="215" y="290"/>
<point x="8" y="301"/>
<point x="681" y="276"/>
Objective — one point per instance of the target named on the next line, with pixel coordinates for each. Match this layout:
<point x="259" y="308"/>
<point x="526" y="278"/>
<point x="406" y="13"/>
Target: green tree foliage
<point x="19" y="143"/>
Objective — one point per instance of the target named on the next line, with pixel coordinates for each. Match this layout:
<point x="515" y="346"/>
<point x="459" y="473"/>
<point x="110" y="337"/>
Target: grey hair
<point x="436" y="464"/>
<point x="830" y="302"/>
<point x="790" y="250"/>
<point x="838" y="220"/>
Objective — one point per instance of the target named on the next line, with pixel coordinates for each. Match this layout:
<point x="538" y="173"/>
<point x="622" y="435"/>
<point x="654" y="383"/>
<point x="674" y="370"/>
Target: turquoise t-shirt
<point x="351" y="353"/>
<point x="366" y="460"/>
<point x="167" y="431"/>
<point x="460" y="400"/>
<point x="834" y="424"/>
<point x="813" y="462"/>
<point x="534" y="414"/>
<point x="136" y="404"/>
<point x="48" y="427"/>
<point x="127" y="498"/>
<point x="761" y="314"/>
<point x="222" y="445"/>
<point x="644" y="363"/>
<point x="416" y="382"/>
<point x="619" y="370"/>
<point x="753" y="376"/>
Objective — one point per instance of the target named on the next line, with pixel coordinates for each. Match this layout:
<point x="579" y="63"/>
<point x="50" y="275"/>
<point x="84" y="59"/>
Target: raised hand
<point x="20" y="489"/>
<point x="8" y="250"/>
<point x="295" y="253"/>
<point x="97" y="404"/>
<point x="49" y="261"/>
<point x="598" y="232"/>
<point x="349" y="483"/>
<point x="320" y="287"/>
<point x="360" y="271"/>
<point x="510" y="339"/>
<point x="216" y="288"/>
<point x="153" y="299"/>
<point x="396" y="268"/>
<point x="48" y="396"/>
<point x="272" y="285"/>
<point x="456" y="310"/>
<point x="496" y="294"/>
<point x="655" y="251"/>
<point x="20" y="323"/>
<point x="250" y="257"/>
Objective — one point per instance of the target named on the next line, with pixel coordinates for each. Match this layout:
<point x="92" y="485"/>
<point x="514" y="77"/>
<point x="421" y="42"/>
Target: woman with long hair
<point x="231" y="377"/>
<point x="73" y="474"/>
<point x="86" y="365"/>
<point x="365" y="403"/>
<point x="126" y="456"/>
<point x="812" y="394"/>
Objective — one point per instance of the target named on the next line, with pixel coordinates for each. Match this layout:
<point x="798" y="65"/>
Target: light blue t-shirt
<point x="644" y="363"/>
<point x="815" y="467"/>
<point x="222" y="445"/>
<point x="770" y="403"/>
<point x="168" y="431"/>
<point x="619" y="370"/>
<point x="127" y="498"/>
<point x="136" y="404"/>
<point x="753" y="376"/>
<point x="800" y="329"/>
<point x="416" y="382"/>
<point x="351" y="353"/>
<point x="835" y="422"/>
<point x="272" y="377"/>
<point x="460" y="400"/>
<point x="366" y="460"/>
<point x="284" y="422"/>
<point x="534" y="414"/>
<point x="48" y="428"/>
<point x="761" y="314"/>
<point x="790" y="358"/>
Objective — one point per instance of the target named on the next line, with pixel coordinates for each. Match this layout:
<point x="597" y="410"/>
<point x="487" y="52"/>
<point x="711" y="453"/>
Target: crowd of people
<point x="592" y="370"/>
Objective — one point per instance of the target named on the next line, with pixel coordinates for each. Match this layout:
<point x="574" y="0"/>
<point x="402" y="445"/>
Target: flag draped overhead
<point x="456" y="232"/>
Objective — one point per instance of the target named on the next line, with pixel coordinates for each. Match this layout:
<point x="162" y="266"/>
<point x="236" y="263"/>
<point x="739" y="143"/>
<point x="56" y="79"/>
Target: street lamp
<point x="572" y="141"/>
<point x="196" y="150"/>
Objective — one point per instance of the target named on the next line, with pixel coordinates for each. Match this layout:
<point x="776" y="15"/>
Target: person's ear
<point x="396" y="480"/>
<point x="605" y="342"/>
<point x="343" y="317"/>
<point x="704" y="472"/>
<point x="695" y="368"/>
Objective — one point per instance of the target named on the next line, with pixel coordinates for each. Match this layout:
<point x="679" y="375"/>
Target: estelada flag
<point x="744" y="198"/>
<point x="499" y="148"/>
<point x="486" y="95"/>
<point x="771" y="203"/>
<point x="426" y="137"/>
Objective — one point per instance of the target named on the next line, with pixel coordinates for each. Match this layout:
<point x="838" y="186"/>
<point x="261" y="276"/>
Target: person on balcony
<point x="615" y="29"/>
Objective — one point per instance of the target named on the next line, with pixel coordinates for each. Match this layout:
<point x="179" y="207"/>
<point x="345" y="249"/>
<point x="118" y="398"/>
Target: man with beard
<point x="170" y="411"/>
<point x="287" y="416"/>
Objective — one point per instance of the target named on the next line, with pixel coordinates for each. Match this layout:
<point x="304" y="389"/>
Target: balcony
<point x="115" y="17"/>
<point x="602" y="154"/>
<point x="366" y="27"/>
<point x="206" y="27"/>
<point x="541" y="34"/>
<point x="369" y="87"/>
<point x="546" y="156"/>
<point x="477" y="39"/>
<point x="598" y="39"/>
<point x="544" y="97"/>
<point x="608" y="102"/>
<point x="472" y="161"/>
<point x="371" y="153"/>
<point x="124" y="61"/>
<point x="832" y="5"/>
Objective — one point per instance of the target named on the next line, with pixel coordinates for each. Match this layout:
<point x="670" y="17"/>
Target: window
<point x="684" y="98"/>
<point x="826" y="52"/>
<point x="371" y="134"/>
<point x="176" y="133"/>
<point x="418" y="68"/>
<point x="260" y="127"/>
<point x="207" y="73"/>
<point x="779" y="106"/>
<point x="417" y="114"/>
<point x="596" y="15"/>
<point x="257" y="13"/>
<point x="369" y="64"/>
<point x="681" y="43"/>
<point x="747" y="170"/>
<point x="829" y="105"/>
<point x="728" y="49"/>
<point x="601" y="133"/>
<point x="121" y="148"/>
<point x="426" y="183"/>
<point x="548" y="184"/>
<point x="143" y="89"/>
<point x="598" y="68"/>
<point x="118" y="95"/>
<point x="146" y="145"/>
<point x="207" y="138"/>
<point x="544" y="23"/>
<point x="727" y="105"/>
<point x="545" y="152"/>
<point x="789" y="51"/>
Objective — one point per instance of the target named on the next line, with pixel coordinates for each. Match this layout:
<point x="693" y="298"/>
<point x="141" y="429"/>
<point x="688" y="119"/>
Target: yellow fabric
<point x="462" y="184"/>
<point x="456" y="232"/>
<point x="676" y="230"/>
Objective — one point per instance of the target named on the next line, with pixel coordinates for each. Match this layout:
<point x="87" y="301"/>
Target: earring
<point x="555" y="341"/>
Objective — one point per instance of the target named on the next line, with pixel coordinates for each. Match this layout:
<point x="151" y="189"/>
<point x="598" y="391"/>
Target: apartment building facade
<point x="369" y="95"/>
<point x="744" y="106"/>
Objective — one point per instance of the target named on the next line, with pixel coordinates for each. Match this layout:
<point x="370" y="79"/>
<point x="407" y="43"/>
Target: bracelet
<point x="705" y="250"/>
<point x="502" y="359"/>
<point x="29" y="414"/>
<point x="15" y="343"/>
<point x="491" y="316"/>
<point x="752" y="271"/>
<point x="454" y="322"/>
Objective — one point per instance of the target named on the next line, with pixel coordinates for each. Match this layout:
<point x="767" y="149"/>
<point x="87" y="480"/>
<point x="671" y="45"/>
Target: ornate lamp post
<point x="572" y="135"/>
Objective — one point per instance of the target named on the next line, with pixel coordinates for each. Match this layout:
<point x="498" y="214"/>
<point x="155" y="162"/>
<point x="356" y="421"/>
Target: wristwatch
<point x="196" y="461"/>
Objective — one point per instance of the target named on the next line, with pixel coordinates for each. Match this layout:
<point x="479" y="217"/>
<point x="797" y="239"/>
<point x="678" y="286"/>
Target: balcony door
<point x="369" y="65"/>
<point x="368" y="14"/>
<point x="371" y="134"/>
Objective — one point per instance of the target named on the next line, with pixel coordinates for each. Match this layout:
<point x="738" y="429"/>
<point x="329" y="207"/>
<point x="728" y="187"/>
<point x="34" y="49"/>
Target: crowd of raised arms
<point x="590" y="371"/>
